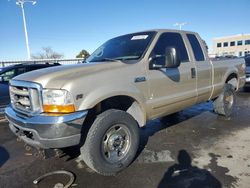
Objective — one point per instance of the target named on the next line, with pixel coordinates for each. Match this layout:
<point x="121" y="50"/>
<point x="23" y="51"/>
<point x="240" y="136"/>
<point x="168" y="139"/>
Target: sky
<point x="68" y="26"/>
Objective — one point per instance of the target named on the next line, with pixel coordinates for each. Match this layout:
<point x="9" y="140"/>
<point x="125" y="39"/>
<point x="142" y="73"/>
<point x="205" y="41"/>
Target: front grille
<point x="25" y="97"/>
<point x="20" y="98"/>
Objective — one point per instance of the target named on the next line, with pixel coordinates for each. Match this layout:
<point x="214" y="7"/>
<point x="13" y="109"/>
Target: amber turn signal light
<point x="59" y="108"/>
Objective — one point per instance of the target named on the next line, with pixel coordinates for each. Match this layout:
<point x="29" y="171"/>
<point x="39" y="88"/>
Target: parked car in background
<point x="247" y="60"/>
<point x="7" y="73"/>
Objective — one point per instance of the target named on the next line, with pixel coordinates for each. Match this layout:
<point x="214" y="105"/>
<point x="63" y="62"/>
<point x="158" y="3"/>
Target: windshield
<point x="126" y="47"/>
<point x="2" y="69"/>
<point x="6" y="76"/>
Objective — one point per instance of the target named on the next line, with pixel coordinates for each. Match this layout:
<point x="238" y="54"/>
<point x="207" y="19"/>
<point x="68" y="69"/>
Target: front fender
<point x="99" y="94"/>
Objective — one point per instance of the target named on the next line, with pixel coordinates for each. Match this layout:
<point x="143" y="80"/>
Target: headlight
<point x="57" y="101"/>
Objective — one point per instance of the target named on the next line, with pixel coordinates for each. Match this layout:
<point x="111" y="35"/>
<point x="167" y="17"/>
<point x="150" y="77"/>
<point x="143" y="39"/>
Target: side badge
<point x="79" y="96"/>
<point x="140" y="79"/>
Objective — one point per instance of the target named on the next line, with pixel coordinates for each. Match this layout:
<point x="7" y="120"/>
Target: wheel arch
<point x="232" y="79"/>
<point x="122" y="102"/>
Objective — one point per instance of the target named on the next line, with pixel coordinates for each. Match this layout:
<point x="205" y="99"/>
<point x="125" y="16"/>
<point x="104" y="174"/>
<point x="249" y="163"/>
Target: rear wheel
<point x="223" y="105"/>
<point x="111" y="142"/>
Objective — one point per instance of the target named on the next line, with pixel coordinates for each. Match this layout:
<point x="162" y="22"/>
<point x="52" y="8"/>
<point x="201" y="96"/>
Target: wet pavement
<point x="192" y="148"/>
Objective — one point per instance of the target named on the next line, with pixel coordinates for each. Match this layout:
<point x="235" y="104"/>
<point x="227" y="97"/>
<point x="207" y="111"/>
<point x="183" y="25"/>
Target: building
<point x="237" y="45"/>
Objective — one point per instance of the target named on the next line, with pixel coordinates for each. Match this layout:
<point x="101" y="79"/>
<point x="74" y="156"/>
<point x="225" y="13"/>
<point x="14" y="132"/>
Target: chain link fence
<point x="61" y="61"/>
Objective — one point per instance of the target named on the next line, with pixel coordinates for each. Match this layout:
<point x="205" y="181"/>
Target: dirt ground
<point x="193" y="148"/>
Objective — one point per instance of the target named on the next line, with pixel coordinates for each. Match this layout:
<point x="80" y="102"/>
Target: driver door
<point x="171" y="89"/>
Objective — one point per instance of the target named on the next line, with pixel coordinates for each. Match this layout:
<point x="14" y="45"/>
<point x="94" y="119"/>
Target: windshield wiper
<point x="111" y="59"/>
<point x="128" y="57"/>
<point x="117" y="59"/>
<point x="107" y="59"/>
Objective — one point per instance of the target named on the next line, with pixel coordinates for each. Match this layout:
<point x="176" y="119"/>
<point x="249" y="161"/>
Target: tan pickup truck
<point x="131" y="79"/>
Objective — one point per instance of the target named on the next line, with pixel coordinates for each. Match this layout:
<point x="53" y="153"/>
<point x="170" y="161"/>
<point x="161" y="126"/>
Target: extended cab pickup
<point x="131" y="79"/>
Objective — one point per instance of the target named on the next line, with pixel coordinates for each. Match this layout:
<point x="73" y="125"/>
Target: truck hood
<point x="56" y="77"/>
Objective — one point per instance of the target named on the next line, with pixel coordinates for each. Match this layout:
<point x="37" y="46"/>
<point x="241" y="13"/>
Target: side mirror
<point x="168" y="60"/>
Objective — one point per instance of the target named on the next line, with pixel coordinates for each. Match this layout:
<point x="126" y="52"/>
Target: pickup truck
<point x="131" y="79"/>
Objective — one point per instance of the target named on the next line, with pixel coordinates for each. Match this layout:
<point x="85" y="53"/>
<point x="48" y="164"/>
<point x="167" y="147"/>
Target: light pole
<point x="21" y="4"/>
<point x="180" y="24"/>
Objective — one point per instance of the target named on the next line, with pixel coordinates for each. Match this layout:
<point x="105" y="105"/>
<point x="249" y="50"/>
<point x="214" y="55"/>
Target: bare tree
<point x="47" y="53"/>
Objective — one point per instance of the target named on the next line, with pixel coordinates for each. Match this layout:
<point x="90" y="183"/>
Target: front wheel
<point x="223" y="105"/>
<point x="111" y="143"/>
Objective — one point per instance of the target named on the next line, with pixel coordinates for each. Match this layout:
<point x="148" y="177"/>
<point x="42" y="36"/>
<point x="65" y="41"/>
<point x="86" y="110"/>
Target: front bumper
<point x="44" y="131"/>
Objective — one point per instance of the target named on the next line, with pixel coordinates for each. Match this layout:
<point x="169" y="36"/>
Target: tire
<point x="111" y="143"/>
<point x="223" y="105"/>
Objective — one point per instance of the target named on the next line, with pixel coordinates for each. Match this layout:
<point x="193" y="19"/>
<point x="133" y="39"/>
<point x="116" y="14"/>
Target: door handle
<point x="193" y="73"/>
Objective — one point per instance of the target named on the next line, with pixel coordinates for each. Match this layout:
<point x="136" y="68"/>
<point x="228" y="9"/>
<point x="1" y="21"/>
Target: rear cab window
<point x="196" y="47"/>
